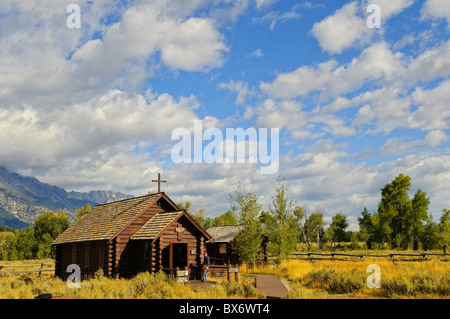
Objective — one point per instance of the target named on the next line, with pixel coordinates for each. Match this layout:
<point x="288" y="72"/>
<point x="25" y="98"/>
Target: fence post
<point x="1" y="270"/>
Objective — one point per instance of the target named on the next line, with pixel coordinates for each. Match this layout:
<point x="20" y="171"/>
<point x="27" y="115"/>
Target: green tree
<point x="225" y="219"/>
<point x="22" y="245"/>
<point x="282" y="225"/>
<point x="244" y="205"/>
<point x="353" y="237"/>
<point x="430" y="235"/>
<point x="82" y="211"/>
<point x="337" y="229"/>
<point x="186" y="205"/>
<point x="303" y="225"/>
<point x="47" y="227"/>
<point x="35" y="241"/>
<point x="264" y="219"/>
<point x="395" y="209"/>
<point x="315" y="225"/>
<point x="366" y="228"/>
<point x="364" y="236"/>
<point x="200" y="218"/>
<point x="418" y="216"/>
<point x="444" y="230"/>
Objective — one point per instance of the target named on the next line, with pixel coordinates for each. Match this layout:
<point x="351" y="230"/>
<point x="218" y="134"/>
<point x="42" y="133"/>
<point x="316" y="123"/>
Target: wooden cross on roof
<point x="159" y="181"/>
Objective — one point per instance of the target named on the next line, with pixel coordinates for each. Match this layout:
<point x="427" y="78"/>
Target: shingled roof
<point x="224" y="234"/>
<point x="104" y="221"/>
<point x="155" y="225"/>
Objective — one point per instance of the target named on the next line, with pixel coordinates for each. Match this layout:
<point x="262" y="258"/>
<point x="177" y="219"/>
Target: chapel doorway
<point x="178" y="255"/>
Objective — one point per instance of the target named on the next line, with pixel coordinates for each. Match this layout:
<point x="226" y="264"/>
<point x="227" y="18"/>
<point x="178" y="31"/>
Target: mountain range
<point x="23" y="198"/>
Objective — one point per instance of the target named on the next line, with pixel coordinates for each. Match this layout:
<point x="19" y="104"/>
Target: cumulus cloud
<point x="375" y="63"/>
<point x="390" y="8"/>
<point x="240" y="88"/>
<point x="195" y="45"/>
<point x="436" y="137"/>
<point x="341" y="30"/>
<point x="437" y="9"/>
<point x="431" y="64"/>
<point x="433" y="112"/>
<point x="76" y="66"/>
<point x="42" y="139"/>
<point x="347" y="27"/>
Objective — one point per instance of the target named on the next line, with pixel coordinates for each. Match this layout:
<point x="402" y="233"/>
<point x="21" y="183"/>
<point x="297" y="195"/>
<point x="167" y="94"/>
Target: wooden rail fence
<point x="359" y="257"/>
<point x="40" y="269"/>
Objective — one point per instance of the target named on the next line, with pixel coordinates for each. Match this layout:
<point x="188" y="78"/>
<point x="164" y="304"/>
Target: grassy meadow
<point x="319" y="279"/>
<point x="143" y="286"/>
<point x="322" y="279"/>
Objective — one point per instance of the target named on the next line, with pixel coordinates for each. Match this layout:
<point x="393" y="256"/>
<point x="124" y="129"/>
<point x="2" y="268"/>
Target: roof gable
<point x="156" y="226"/>
<point x="105" y="221"/>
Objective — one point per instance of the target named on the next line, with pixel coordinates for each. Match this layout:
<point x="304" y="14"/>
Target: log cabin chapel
<point x="147" y="233"/>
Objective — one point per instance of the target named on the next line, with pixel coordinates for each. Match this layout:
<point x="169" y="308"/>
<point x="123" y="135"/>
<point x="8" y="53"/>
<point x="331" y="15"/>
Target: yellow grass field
<point x="348" y="279"/>
<point x="322" y="279"/>
<point x="143" y="286"/>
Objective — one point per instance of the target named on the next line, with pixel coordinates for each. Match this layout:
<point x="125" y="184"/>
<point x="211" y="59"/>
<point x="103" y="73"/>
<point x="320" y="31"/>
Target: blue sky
<point x="94" y="107"/>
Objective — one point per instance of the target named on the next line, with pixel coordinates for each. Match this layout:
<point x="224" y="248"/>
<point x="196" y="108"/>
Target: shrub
<point x="337" y="282"/>
<point x="433" y="283"/>
<point x="298" y="291"/>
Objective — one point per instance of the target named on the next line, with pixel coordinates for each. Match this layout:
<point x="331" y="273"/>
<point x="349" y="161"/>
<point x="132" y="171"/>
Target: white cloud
<point x="287" y="115"/>
<point x="437" y="9"/>
<point x="390" y="8"/>
<point x="326" y="181"/>
<point x="229" y="10"/>
<point x="256" y="54"/>
<point x="382" y="110"/>
<point x="347" y="27"/>
<point x="301" y="81"/>
<point x="404" y="146"/>
<point x="37" y="138"/>
<point x="433" y="112"/>
<point x="37" y="45"/>
<point x="111" y="168"/>
<point x="277" y="17"/>
<point x="436" y="137"/>
<point x="239" y="87"/>
<point x="264" y="3"/>
<point x="342" y="29"/>
<point x="431" y="64"/>
<point x="194" y="45"/>
<point x="376" y="62"/>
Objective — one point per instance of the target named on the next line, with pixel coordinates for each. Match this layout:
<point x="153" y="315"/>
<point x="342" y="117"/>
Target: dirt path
<point x="271" y="286"/>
